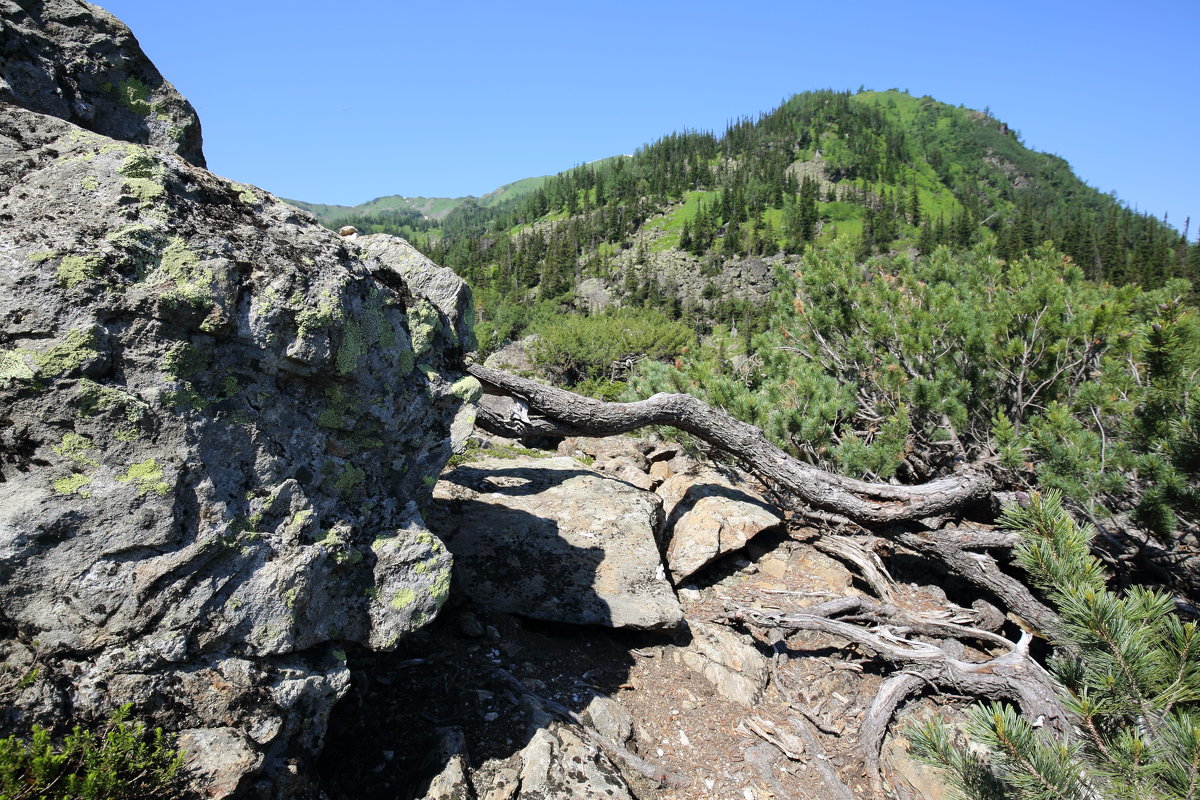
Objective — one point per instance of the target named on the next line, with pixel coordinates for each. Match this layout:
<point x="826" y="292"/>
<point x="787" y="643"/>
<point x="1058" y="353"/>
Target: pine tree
<point x="1130" y="669"/>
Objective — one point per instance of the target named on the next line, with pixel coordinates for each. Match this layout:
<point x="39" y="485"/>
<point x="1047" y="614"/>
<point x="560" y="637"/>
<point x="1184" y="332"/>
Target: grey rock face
<point x="219" y="424"/>
<point x="548" y="538"/>
<point x="75" y="61"/>
<point x="557" y="763"/>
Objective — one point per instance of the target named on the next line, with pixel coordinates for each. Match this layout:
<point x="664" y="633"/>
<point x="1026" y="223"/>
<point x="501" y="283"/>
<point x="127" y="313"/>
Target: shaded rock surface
<point x="220" y="425"/>
<point x="551" y="539"/>
<point x="75" y="61"/>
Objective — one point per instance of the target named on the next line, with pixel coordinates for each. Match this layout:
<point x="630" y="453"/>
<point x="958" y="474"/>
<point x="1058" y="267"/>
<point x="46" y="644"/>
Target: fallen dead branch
<point x="874" y="503"/>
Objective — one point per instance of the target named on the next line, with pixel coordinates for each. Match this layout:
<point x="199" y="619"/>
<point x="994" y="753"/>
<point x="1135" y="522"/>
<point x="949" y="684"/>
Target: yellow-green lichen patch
<point x="439" y="590"/>
<point x="94" y="398"/>
<point x="147" y="476"/>
<point x="89" y="183"/>
<point x="369" y="328"/>
<point x="313" y="318"/>
<point x="72" y="484"/>
<point x="183" y="361"/>
<point x="13" y="367"/>
<point x="403" y="599"/>
<point x="468" y="389"/>
<point x="181" y="265"/>
<point x="75" y="447"/>
<point x="141" y="246"/>
<point x="75" y="269"/>
<point x="67" y="356"/>
<point x="349" y="481"/>
<point x="423" y="324"/>
<point x="134" y="95"/>
<point x="41" y="255"/>
<point x="299" y="520"/>
<point x="143" y="175"/>
<point x="244" y="194"/>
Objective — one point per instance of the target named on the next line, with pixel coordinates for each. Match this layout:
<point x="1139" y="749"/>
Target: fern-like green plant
<point x="122" y="761"/>
<point x="1130" y="674"/>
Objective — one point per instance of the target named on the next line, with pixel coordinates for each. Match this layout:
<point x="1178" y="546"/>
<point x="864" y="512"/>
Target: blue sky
<point x="452" y="98"/>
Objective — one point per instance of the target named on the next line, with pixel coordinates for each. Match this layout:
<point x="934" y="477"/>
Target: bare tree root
<point x="872" y="503"/>
<point x="1012" y="676"/>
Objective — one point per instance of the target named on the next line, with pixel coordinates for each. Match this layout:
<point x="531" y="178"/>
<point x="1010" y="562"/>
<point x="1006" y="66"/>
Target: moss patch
<point x="349" y="481"/>
<point x="148" y="477"/>
<point x="468" y="389"/>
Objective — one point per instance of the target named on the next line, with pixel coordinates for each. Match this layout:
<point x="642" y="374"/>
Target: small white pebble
<point x="709" y="783"/>
<point x="661" y="752"/>
<point x="746" y="793"/>
<point x="683" y="739"/>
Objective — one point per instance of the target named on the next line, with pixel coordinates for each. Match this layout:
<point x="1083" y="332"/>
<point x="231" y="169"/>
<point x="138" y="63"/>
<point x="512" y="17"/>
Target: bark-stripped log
<point x="870" y="503"/>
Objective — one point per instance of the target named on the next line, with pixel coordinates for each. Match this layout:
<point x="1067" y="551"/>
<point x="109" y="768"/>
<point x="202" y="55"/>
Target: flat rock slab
<point x="550" y="539"/>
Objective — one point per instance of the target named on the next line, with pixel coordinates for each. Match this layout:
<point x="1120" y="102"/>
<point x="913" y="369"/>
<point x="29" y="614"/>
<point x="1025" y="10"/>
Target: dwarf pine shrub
<point x="1130" y="674"/>
<point x="121" y="761"/>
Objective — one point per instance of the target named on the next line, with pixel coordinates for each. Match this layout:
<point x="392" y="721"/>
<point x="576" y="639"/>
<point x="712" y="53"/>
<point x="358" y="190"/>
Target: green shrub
<point x="121" y="761"/>
<point x="580" y="349"/>
<point x="1130" y="673"/>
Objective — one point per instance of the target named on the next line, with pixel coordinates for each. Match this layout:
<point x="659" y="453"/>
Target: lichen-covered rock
<point x="550" y="539"/>
<point x="75" y="61"/>
<point x="219" y="424"/>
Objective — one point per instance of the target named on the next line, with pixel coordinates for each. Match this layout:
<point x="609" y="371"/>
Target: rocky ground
<point x="491" y="702"/>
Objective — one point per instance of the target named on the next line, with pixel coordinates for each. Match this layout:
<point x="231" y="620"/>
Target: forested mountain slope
<point x="685" y="215"/>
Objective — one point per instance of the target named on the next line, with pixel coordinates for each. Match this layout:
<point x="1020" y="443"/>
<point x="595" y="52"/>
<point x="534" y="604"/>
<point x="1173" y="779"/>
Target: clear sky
<point x="341" y="105"/>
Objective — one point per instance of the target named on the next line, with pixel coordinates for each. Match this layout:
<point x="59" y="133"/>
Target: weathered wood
<point x="871" y="503"/>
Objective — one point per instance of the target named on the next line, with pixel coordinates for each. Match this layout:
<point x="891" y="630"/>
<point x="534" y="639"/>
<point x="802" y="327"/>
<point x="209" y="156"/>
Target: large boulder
<point x="550" y="539"/>
<point x="75" y="61"/>
<point x="709" y="516"/>
<point x="219" y="425"/>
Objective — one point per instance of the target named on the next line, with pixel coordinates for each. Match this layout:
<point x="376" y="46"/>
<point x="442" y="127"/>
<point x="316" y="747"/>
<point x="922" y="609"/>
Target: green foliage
<point x="598" y="347"/>
<point x="1130" y="671"/>
<point x="122" y="761"/>
<point x="867" y="368"/>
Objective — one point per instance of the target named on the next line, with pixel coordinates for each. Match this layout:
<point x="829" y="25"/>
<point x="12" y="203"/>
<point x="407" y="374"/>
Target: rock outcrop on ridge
<point x="219" y="426"/>
<point x="75" y="61"/>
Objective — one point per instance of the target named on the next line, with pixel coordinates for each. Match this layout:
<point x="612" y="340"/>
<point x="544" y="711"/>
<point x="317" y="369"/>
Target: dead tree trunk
<point x="566" y="413"/>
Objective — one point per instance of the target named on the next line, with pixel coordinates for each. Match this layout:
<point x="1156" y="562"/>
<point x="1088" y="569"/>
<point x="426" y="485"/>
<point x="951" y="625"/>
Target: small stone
<point x="347" y="230"/>
<point x="469" y="625"/>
